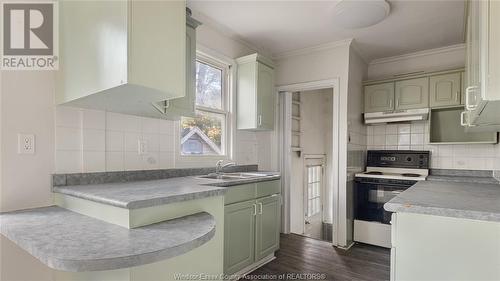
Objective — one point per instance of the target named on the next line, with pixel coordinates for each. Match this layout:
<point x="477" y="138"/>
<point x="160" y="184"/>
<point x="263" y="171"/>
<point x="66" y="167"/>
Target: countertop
<point x="68" y="241"/>
<point x="450" y="199"/>
<point x="141" y="194"/>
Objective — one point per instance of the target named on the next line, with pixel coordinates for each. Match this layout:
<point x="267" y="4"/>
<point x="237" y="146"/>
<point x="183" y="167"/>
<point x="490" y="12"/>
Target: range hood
<point x="397" y="116"/>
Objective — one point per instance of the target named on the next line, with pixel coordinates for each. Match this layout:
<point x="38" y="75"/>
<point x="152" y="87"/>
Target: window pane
<point x="208" y="86"/>
<point x="202" y="135"/>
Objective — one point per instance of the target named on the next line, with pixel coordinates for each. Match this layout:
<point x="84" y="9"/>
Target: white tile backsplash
<point x="97" y="141"/>
<point x="68" y="138"/>
<point x="415" y="136"/>
<point x="93" y="140"/>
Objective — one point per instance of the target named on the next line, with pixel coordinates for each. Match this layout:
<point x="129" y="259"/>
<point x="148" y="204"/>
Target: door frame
<point x="285" y="139"/>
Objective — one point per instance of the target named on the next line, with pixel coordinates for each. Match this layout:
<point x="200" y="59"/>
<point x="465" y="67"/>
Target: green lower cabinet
<point x="239" y="236"/>
<point x="251" y="227"/>
<point x="267" y="238"/>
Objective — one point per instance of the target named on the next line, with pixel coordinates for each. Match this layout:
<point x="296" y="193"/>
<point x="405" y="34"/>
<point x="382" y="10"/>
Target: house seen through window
<point x="205" y="134"/>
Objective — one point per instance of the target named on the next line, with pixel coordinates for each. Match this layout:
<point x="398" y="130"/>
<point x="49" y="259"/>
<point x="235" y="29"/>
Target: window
<point x="205" y="134"/>
<point x="314" y="174"/>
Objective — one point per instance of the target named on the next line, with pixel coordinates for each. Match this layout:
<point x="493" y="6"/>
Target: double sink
<point x="235" y="176"/>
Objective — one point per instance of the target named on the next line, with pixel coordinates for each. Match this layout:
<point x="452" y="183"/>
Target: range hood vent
<point x="397" y="116"/>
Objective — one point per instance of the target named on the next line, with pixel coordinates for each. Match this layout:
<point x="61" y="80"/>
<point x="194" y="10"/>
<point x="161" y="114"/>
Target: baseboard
<point x="346" y="248"/>
<point x="242" y="273"/>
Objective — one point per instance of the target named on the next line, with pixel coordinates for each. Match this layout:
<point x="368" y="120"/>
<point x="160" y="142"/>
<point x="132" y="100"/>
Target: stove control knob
<point x="408" y="159"/>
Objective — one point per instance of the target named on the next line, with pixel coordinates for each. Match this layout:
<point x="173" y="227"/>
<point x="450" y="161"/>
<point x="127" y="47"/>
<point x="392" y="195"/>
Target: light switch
<point x="26" y="144"/>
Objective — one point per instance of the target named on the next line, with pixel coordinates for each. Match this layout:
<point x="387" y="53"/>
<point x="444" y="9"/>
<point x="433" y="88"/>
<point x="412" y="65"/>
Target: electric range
<point x="388" y="173"/>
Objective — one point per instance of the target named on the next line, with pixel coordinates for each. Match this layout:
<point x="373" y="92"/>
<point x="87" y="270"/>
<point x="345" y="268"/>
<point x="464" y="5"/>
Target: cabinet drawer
<point x="239" y="193"/>
<point x="267" y="188"/>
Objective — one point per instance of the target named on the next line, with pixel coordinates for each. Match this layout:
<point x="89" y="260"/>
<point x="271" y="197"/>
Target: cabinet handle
<point x="260" y="120"/>
<point x="462" y="119"/>
<point x="260" y="208"/>
<point x="397" y="103"/>
<point x="254" y="209"/>
<point x="468" y="92"/>
<point x="390" y="103"/>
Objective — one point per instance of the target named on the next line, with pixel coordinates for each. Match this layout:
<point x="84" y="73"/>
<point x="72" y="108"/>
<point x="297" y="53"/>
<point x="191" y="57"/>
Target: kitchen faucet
<point x="219" y="166"/>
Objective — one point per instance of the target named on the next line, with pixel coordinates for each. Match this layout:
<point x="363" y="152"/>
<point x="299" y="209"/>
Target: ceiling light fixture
<point x="359" y="13"/>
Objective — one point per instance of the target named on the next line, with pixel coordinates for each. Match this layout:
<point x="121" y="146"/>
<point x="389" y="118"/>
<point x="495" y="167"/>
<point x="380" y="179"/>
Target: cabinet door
<point x="445" y="90"/>
<point x="267" y="230"/>
<point x="265" y="97"/>
<point x="185" y="106"/>
<point x="379" y="97"/>
<point x="412" y="94"/>
<point x="239" y="236"/>
<point x="463" y="85"/>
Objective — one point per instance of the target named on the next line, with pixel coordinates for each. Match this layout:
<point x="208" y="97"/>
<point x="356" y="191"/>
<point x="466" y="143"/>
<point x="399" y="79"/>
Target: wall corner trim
<point x="313" y="49"/>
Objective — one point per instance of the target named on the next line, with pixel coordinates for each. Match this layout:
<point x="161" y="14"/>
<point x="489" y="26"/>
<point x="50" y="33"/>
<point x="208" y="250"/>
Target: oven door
<point x="371" y="197"/>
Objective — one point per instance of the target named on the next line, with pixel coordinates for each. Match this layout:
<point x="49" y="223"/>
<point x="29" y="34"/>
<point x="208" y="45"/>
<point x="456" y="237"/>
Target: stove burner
<point x="410" y="175"/>
<point x="374" y="173"/>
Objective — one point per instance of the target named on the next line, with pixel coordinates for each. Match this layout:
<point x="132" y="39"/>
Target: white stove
<point x="388" y="174"/>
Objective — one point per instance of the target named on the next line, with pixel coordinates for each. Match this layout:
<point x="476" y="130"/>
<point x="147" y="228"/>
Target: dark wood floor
<point x="299" y="254"/>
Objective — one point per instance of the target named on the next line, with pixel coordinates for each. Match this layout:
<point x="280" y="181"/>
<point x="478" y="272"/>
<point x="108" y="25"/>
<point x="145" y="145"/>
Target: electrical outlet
<point x="142" y="147"/>
<point x="26" y="144"/>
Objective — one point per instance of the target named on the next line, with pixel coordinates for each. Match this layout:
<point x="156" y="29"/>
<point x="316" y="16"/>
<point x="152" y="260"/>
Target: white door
<point x="313" y="197"/>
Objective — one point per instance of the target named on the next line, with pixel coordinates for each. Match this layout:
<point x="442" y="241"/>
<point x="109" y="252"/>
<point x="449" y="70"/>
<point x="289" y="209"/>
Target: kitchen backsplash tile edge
<point x="141" y="175"/>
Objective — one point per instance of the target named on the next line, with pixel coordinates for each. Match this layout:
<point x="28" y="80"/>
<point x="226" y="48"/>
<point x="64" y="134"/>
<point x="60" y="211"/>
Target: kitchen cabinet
<point x="239" y="235"/>
<point x="412" y="93"/>
<point x="255" y="93"/>
<point x="176" y="108"/>
<point x="252" y="225"/>
<point x="445" y="90"/>
<point x="482" y="96"/>
<point x="379" y="97"/>
<point x="449" y="248"/>
<point x="121" y="56"/>
<point x="267" y="226"/>
<point x="445" y="128"/>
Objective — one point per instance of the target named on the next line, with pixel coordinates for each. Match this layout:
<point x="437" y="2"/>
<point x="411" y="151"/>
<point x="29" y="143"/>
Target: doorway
<point x="310" y="182"/>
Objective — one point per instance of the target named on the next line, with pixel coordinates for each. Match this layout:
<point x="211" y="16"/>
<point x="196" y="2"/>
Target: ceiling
<point x="281" y="26"/>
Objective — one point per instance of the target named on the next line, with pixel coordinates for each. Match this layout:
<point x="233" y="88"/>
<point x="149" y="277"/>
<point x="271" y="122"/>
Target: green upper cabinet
<point x="379" y="97"/>
<point x="267" y="226"/>
<point x="255" y="93"/>
<point x="121" y="56"/>
<point x="412" y="93"/>
<point x="176" y="108"/>
<point x="239" y="235"/>
<point x="445" y="90"/>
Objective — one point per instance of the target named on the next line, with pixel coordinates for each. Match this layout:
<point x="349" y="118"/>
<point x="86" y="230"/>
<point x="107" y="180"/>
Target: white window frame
<point x="228" y="67"/>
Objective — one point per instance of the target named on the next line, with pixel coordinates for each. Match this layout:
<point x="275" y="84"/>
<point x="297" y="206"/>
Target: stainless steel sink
<point x="234" y="176"/>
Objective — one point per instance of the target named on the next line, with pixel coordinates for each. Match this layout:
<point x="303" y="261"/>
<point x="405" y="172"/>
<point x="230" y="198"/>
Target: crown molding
<point x="419" y="54"/>
<point x="355" y="48"/>
<point x="227" y="32"/>
<point x="313" y="49"/>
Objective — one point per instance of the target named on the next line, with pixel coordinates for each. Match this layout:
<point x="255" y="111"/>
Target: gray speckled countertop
<point x="141" y="194"/>
<point x="450" y="199"/>
<point x="68" y="241"/>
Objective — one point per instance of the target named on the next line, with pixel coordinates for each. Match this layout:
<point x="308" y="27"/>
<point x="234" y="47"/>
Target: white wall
<point x="28" y="107"/>
<point x="450" y="57"/>
<point x="324" y="63"/>
<point x="356" y="147"/>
